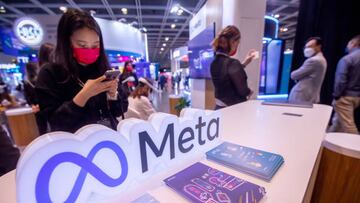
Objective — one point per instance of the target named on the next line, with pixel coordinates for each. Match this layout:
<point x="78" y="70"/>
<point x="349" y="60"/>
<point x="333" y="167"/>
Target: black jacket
<point x="30" y="93"/>
<point x="230" y="80"/>
<point x="55" y="91"/>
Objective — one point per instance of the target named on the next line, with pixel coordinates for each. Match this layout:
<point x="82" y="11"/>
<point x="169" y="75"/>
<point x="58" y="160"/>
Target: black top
<point x="30" y="93"/>
<point x="55" y="91"/>
<point x="230" y="80"/>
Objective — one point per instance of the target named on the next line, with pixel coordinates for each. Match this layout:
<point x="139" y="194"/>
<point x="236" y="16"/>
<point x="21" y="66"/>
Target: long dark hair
<point x="126" y="64"/>
<point x="70" y="22"/>
<point x="45" y="53"/>
<point x="31" y="72"/>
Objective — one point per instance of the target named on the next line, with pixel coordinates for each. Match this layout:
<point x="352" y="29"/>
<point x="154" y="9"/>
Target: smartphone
<point x="256" y="55"/>
<point x="111" y="74"/>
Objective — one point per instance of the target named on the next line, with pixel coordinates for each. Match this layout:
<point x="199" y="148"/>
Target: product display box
<point x="251" y="161"/>
<point x="201" y="183"/>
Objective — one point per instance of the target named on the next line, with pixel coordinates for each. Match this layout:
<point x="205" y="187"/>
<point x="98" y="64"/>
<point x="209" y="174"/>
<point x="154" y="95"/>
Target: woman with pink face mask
<point x="128" y="78"/>
<point x="72" y="91"/>
<point x="228" y="74"/>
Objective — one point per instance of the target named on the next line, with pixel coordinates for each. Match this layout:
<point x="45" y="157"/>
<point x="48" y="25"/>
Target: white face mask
<point x="309" y="52"/>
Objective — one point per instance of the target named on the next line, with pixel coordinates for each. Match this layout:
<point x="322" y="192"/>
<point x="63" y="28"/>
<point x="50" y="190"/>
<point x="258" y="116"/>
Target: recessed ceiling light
<point x="92" y="12"/>
<point x="284" y="29"/>
<point x="162" y="49"/>
<point x="2" y="7"/>
<point x="180" y="12"/>
<point x="63" y="8"/>
<point x="175" y="8"/>
<point x="164" y="44"/>
<point x="173" y="25"/>
<point x="166" y="38"/>
<point x="276" y="15"/>
<point x="124" y="11"/>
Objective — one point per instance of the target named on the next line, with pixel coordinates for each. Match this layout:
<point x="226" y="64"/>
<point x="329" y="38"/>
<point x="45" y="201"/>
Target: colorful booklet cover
<point x="201" y="183"/>
<point x="254" y="162"/>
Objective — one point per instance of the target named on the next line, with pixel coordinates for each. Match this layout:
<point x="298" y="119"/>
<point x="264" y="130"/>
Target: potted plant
<point x="183" y="103"/>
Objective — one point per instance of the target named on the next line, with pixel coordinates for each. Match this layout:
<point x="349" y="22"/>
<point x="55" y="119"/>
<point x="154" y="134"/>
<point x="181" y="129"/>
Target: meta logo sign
<point x="97" y="162"/>
<point x="28" y="31"/>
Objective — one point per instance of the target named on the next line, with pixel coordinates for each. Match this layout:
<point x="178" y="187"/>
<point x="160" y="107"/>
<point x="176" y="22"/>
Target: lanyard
<point x="80" y="82"/>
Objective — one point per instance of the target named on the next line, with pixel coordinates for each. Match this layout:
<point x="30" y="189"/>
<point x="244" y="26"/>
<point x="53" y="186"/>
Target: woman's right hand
<point x="90" y="89"/>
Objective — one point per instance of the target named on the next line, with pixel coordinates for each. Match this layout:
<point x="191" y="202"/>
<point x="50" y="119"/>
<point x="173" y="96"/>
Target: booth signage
<point x="197" y="23"/>
<point x="29" y="31"/>
<point x="97" y="161"/>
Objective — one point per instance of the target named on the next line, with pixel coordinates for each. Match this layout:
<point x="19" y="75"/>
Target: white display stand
<point x="297" y="139"/>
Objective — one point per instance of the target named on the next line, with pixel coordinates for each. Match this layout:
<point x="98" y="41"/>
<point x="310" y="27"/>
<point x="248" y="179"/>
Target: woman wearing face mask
<point x="139" y="103"/>
<point x="310" y="76"/>
<point x="128" y="78"/>
<point x="72" y="90"/>
<point x="228" y="74"/>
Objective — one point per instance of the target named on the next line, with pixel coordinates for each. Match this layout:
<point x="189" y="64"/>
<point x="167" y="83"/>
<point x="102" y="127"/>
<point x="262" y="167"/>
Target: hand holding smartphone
<point x="111" y="75"/>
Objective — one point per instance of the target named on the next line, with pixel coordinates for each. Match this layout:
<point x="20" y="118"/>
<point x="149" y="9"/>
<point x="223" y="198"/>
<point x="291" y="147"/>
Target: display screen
<point x="201" y="53"/>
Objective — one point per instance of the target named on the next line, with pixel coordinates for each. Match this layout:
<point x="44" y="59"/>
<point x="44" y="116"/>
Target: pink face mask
<point x="86" y="56"/>
<point x="233" y="52"/>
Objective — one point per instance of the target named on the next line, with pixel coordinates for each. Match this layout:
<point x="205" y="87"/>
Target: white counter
<point x="297" y="139"/>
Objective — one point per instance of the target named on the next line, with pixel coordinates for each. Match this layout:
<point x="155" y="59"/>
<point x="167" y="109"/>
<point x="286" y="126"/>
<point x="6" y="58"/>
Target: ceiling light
<point x="166" y="38"/>
<point x="122" y="20"/>
<point x="284" y="29"/>
<point x="124" y="11"/>
<point x="143" y="29"/>
<point x="164" y="45"/>
<point x="134" y="23"/>
<point x="180" y="12"/>
<point x="276" y="15"/>
<point x="162" y="49"/>
<point x="173" y="25"/>
<point x="175" y="8"/>
<point x="63" y="8"/>
<point x="92" y="12"/>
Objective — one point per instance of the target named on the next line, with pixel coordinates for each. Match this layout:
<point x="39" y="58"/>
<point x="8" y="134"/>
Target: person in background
<point x="9" y="154"/>
<point x="72" y="90"/>
<point x="46" y="52"/>
<point x="347" y="89"/>
<point x="139" y="103"/>
<point x="128" y="78"/>
<point x="178" y="80"/>
<point x="310" y="75"/>
<point x="228" y="74"/>
<point x="32" y="70"/>
<point x="7" y="100"/>
<point x="162" y="81"/>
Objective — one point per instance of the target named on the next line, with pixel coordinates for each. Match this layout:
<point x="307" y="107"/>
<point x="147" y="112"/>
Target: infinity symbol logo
<point x="86" y="165"/>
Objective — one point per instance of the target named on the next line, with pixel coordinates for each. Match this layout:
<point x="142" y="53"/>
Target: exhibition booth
<point x="122" y="42"/>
